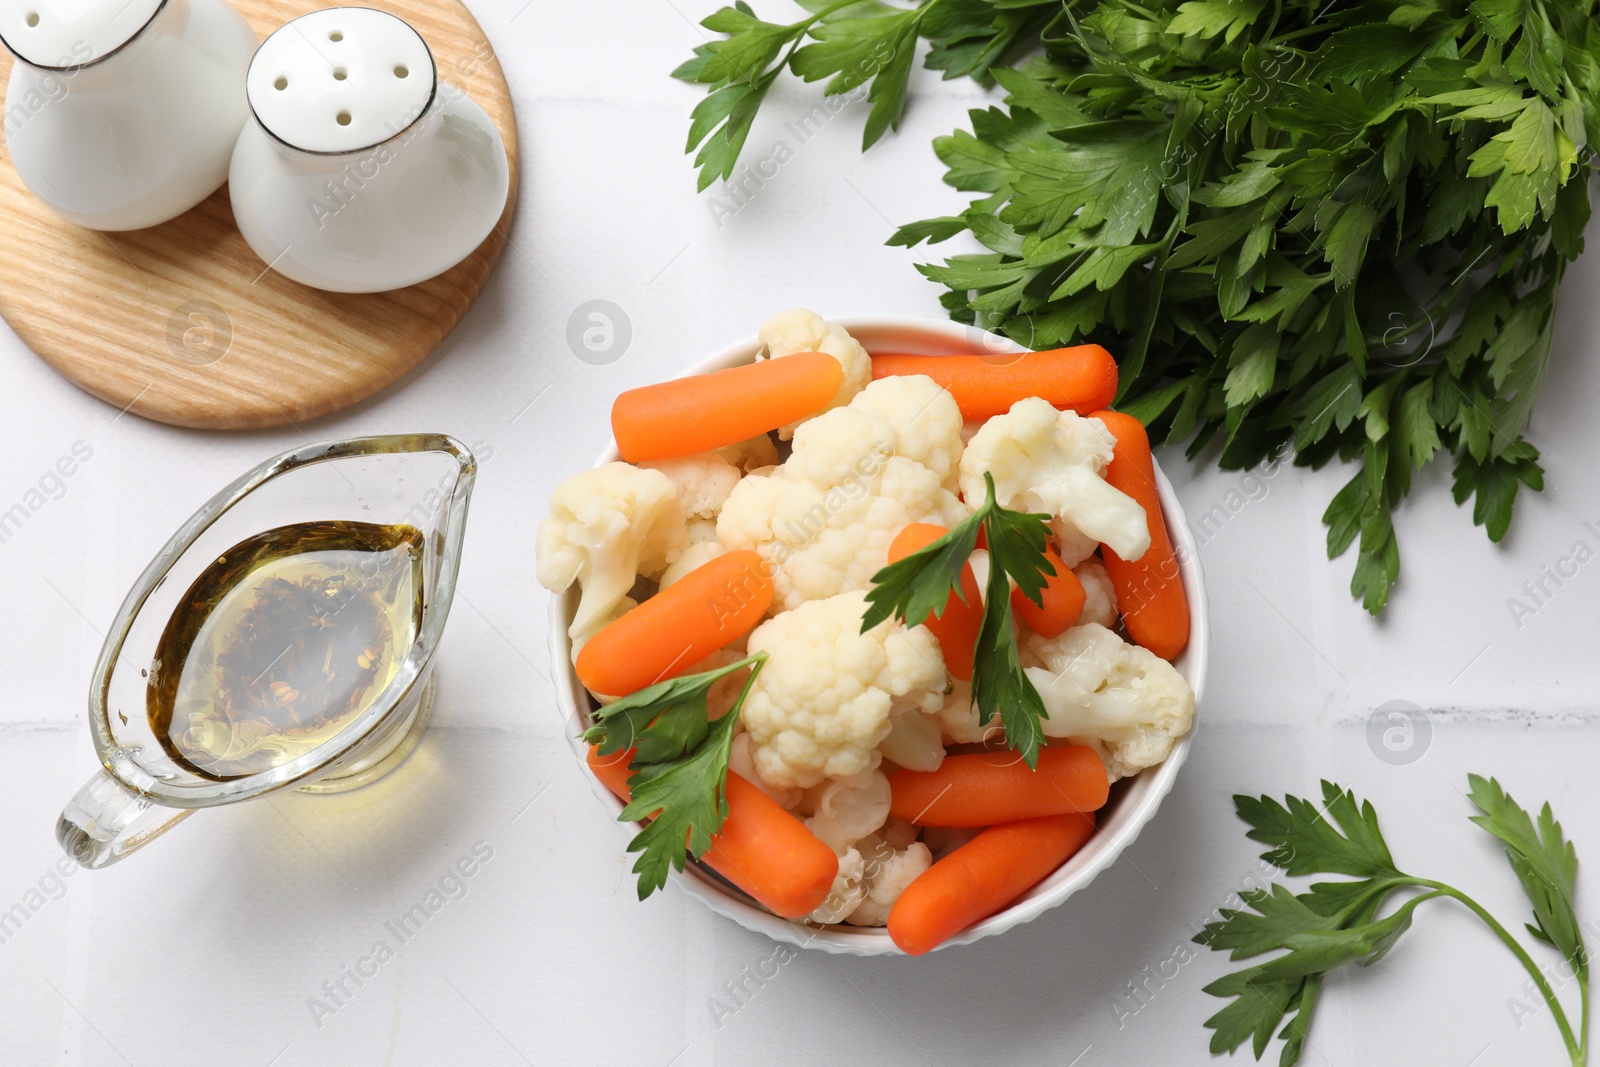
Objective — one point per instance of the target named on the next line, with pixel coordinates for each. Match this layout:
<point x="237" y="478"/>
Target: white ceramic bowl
<point x="1133" y="801"/>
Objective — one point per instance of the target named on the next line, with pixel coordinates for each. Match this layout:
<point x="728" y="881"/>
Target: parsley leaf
<point x="679" y="763"/>
<point x="1207" y="18"/>
<point x="1545" y="863"/>
<point x="1337" y="923"/>
<point x="739" y="69"/>
<point x="878" y="48"/>
<point x="921" y="585"/>
<point x="1315" y="945"/>
<point x="1346" y="840"/>
<point x="1493" y="483"/>
<point x="847" y="43"/>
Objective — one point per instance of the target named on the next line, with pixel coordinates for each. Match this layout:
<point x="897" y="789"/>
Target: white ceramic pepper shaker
<point x="361" y="171"/>
<point x="121" y="114"/>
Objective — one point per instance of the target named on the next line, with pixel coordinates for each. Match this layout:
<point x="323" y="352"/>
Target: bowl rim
<point x="1141" y="797"/>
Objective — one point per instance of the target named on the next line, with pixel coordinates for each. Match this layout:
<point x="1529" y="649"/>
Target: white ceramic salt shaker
<point x="361" y="171"/>
<point x="121" y="114"/>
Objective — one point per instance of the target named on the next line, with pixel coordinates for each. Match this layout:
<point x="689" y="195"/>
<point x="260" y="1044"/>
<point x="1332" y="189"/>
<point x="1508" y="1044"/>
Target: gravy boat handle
<point x="106" y="821"/>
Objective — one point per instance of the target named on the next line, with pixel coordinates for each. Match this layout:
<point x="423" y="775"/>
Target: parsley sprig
<point x="680" y="765"/>
<point x="851" y="43"/>
<point x="920" y="585"/>
<point x="1335" y="231"/>
<point x="1336" y="923"/>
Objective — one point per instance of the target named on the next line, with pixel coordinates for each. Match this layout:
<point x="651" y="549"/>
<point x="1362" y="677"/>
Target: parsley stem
<point x="1295" y="1033"/>
<point x="1133" y="363"/>
<point x="1579" y="1053"/>
<point x="1277" y="13"/>
<point x="1583" y="1017"/>
<point x="1142" y="11"/>
<point x="1295" y="35"/>
<point x="825" y="12"/>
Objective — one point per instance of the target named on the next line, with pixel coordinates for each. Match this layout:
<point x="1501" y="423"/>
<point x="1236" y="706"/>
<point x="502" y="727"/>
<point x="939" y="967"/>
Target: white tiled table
<point x="209" y="948"/>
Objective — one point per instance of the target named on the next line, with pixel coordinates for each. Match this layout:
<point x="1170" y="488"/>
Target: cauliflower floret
<point x="899" y="833"/>
<point x="979" y="562"/>
<point x="958" y="718"/>
<point x="752" y="454"/>
<point x="1051" y="461"/>
<point x="741" y="763"/>
<point x="606" y="527"/>
<point x="915" y="741"/>
<point x="697" y="555"/>
<point x="841" y="448"/>
<point x="847" y="893"/>
<point x="848" y="809"/>
<point x="926" y="420"/>
<point x="821" y="704"/>
<point x="885" y="875"/>
<point x="750" y="516"/>
<point x="824" y="519"/>
<point x="702" y="531"/>
<point x="799" y="330"/>
<point x="1096" y="686"/>
<point x="704" y="481"/>
<point x="1099" y="599"/>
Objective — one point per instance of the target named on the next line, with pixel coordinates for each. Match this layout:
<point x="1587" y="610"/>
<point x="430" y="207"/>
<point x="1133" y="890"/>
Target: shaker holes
<point x="281" y="84"/>
<point x="33" y="18"/>
<point x="340" y="74"/>
<point x="342" y="118"/>
<point x="402" y="71"/>
<point x="335" y="36"/>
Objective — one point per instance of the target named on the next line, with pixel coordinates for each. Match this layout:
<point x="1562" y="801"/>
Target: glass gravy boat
<point x="419" y="480"/>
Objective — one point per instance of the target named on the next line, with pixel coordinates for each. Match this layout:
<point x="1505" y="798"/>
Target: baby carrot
<point x="706" y="411"/>
<point x="982" y="877"/>
<point x="957" y="629"/>
<point x="985" y="788"/>
<point x="1063" y="598"/>
<point x="1149" y="590"/>
<point x="613" y="770"/>
<point x="1083" y="378"/>
<point x="761" y="848"/>
<point x="709" y="608"/>
<point x="770" y="854"/>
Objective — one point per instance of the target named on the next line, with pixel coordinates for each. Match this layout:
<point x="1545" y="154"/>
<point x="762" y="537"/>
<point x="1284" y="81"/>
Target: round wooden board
<point x="183" y="323"/>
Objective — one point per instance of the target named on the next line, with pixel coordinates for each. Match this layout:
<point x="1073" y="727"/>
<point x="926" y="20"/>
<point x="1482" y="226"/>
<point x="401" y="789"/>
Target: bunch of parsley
<point x="1327" y="227"/>
<point x="1336" y="923"/>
